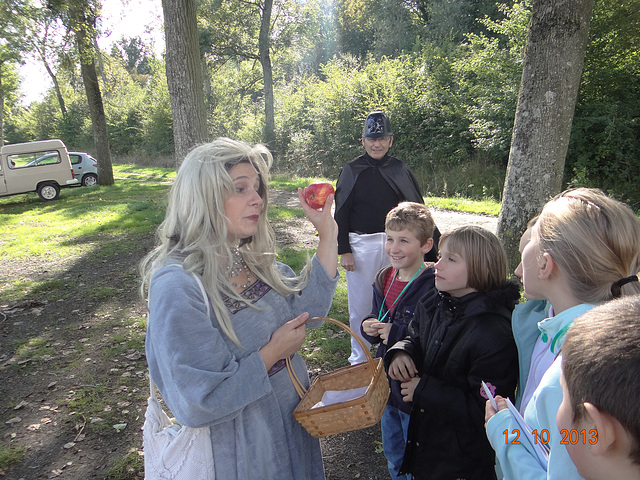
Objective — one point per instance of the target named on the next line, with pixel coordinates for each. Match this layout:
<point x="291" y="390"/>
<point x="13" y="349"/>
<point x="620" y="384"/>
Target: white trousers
<point x="368" y="257"/>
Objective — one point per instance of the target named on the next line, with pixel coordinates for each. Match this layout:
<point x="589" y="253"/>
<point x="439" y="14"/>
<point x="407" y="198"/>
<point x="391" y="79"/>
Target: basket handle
<point x="297" y="384"/>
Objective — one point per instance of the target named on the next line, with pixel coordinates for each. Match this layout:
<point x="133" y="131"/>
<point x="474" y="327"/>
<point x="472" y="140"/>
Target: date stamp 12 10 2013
<point x="569" y="437"/>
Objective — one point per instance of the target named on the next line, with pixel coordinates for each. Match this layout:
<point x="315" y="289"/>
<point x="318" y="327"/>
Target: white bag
<point x="174" y="452"/>
<point x="171" y="451"/>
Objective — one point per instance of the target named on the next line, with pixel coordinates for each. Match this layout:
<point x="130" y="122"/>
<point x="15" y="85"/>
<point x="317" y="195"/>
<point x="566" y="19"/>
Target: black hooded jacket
<point x="456" y="343"/>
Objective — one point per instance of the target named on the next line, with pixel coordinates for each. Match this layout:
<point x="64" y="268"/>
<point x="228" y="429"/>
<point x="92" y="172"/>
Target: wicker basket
<point x="361" y="412"/>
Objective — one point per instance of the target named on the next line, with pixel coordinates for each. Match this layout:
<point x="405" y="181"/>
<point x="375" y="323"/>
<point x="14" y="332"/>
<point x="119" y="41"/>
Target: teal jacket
<point x="516" y="461"/>
<point x="524" y="323"/>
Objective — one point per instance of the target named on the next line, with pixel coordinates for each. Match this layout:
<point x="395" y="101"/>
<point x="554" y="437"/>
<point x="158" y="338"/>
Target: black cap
<point x="377" y="125"/>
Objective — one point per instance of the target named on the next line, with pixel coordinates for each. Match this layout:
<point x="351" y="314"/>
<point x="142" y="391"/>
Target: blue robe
<point x="207" y="380"/>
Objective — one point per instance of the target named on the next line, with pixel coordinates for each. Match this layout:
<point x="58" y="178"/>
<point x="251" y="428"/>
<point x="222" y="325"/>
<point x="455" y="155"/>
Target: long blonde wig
<point x="594" y="239"/>
<point x="194" y="230"/>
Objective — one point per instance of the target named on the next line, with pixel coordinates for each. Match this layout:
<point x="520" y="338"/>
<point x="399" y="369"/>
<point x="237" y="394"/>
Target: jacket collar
<point x="554" y="329"/>
<point x="376" y="163"/>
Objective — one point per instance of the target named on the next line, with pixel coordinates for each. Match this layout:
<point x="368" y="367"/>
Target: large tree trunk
<point x="98" y="122"/>
<point x="553" y="63"/>
<point x="184" y="76"/>
<point x="264" y="46"/>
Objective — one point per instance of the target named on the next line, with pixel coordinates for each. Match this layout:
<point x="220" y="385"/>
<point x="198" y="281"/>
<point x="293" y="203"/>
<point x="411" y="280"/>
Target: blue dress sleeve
<point x="200" y="379"/>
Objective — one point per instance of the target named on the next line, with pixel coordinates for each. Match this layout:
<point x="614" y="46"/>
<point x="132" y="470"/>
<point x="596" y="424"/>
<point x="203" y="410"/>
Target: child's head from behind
<point x="475" y="253"/>
<point x="601" y="385"/>
<point x="593" y="239"/>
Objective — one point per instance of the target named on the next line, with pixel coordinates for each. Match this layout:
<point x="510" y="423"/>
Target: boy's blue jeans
<point x="394" y="424"/>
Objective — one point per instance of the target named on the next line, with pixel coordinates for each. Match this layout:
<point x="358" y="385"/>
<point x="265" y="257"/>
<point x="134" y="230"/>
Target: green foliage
<point x="488" y="71"/>
<point x="135" y="55"/>
<point x="446" y="72"/>
<point x="453" y="19"/>
<point x="137" y="107"/>
<point x="238" y="88"/>
<point x="8" y="74"/>
<point x="604" y="150"/>
<point x="321" y="118"/>
<point x="376" y="29"/>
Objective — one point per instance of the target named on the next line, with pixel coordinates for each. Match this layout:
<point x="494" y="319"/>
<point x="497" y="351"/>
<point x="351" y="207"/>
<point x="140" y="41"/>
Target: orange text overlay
<point x="569" y="437"/>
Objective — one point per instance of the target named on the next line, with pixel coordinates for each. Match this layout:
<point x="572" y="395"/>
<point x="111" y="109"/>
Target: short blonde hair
<point x="482" y="251"/>
<point x="594" y="239"/>
<point x="412" y="216"/>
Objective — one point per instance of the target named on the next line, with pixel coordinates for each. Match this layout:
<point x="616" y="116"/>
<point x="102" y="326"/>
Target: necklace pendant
<point x="238" y="266"/>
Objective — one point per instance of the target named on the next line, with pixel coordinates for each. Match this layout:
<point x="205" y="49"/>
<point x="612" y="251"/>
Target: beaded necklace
<point x="238" y="265"/>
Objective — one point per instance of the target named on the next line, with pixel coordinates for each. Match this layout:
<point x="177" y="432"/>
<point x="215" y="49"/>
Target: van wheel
<point x="48" y="191"/>
<point x="89" y="180"/>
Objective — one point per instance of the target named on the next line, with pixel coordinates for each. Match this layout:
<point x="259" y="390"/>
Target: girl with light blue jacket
<point x="584" y="250"/>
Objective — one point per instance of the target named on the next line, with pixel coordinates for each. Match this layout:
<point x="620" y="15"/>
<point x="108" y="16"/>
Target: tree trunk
<point x="86" y="53"/>
<point x="98" y="122"/>
<point x="56" y="87"/>
<point x="184" y="76"/>
<point x="1" y="114"/>
<point x="554" y="58"/>
<point x="264" y="46"/>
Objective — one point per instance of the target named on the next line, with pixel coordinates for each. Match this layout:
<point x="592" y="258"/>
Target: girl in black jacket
<point x="460" y="335"/>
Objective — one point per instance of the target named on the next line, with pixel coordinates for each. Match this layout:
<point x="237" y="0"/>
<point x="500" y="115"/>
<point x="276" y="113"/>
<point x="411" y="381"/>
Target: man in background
<point x="368" y="187"/>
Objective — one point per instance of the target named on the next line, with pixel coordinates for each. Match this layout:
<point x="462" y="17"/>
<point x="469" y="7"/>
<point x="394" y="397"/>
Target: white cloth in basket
<point x="331" y="397"/>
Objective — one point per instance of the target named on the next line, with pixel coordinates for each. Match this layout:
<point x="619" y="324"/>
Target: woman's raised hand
<point x="327" y="229"/>
<point x="321" y="219"/>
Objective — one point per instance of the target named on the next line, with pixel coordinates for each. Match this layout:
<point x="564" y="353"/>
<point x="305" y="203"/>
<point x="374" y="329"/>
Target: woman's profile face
<point x="244" y="206"/>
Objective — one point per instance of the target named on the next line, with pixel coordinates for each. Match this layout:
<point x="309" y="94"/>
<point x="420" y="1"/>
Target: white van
<point x="23" y="169"/>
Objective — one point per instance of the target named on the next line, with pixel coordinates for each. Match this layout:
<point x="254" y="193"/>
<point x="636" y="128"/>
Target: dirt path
<point x="300" y="231"/>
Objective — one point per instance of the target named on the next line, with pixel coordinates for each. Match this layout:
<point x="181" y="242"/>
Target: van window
<point x="37" y="159"/>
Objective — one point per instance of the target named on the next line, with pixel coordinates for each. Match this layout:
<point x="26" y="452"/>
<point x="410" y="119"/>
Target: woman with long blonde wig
<point x="224" y="314"/>
<point x="584" y="250"/>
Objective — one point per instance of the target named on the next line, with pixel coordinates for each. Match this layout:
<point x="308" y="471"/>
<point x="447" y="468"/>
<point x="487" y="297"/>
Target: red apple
<point x="316" y="194"/>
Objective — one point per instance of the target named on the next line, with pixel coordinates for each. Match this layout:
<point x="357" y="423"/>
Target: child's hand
<point x="402" y="367"/>
<point x="407" y="389"/>
<point x="383" y="331"/>
<point x="371" y="326"/>
<point x="489" y="411"/>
